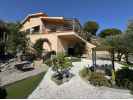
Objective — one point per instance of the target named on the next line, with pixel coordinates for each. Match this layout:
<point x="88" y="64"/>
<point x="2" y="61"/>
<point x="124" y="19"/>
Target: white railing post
<point x="73" y="24"/>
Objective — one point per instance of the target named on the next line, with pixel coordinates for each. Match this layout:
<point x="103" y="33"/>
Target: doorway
<point x="71" y="51"/>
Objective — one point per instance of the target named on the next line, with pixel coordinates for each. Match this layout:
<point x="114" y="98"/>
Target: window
<point x="36" y="29"/>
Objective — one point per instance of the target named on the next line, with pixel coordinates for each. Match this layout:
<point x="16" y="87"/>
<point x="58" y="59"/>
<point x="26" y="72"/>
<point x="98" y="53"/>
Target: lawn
<point x="23" y="88"/>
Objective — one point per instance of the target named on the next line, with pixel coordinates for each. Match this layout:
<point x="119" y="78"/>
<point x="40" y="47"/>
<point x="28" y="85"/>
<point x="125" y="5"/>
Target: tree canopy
<point x="109" y="31"/>
<point x="3" y="36"/>
<point x="3" y="26"/>
<point x="120" y="44"/>
<point x="129" y="26"/>
<point x="17" y="40"/>
<point x="91" y="27"/>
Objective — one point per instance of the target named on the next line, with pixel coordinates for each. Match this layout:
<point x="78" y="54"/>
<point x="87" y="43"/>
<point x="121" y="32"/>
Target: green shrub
<point x="124" y="78"/>
<point x="85" y="73"/>
<point x="99" y="79"/>
<point x="3" y="93"/>
<point x="48" y="62"/>
<point x="38" y="46"/>
<point x="95" y="78"/>
<point x="61" y="63"/>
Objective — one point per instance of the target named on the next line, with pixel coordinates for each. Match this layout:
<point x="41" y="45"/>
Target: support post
<point x="73" y="24"/>
<point x="94" y="58"/>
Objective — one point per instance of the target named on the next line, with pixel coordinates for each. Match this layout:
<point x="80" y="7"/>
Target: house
<point x="62" y="33"/>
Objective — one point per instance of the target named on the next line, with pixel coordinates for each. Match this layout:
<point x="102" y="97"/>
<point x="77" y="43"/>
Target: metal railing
<point x="69" y="25"/>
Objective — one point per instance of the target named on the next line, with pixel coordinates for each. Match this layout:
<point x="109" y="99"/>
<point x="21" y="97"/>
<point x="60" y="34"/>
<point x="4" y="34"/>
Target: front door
<point x="71" y="51"/>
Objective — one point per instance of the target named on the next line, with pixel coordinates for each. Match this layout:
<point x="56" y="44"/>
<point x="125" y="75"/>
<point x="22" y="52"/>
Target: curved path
<point x="76" y="88"/>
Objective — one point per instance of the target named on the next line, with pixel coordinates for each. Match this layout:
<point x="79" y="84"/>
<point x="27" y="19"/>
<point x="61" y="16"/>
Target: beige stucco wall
<point x="58" y="44"/>
<point x="51" y="37"/>
<point x="32" y="22"/>
<point x="64" y="44"/>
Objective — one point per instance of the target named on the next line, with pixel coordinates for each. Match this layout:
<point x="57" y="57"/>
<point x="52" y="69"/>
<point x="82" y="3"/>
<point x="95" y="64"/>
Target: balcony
<point x="62" y="26"/>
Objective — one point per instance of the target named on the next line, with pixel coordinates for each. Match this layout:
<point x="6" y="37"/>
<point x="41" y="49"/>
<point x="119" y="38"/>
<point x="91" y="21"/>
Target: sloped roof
<point x="34" y="15"/>
<point x="59" y="19"/>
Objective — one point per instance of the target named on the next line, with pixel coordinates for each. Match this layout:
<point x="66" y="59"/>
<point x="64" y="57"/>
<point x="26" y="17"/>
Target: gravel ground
<point x="76" y="88"/>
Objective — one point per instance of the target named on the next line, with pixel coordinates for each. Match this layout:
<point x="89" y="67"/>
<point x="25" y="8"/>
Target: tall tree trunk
<point x="94" y="58"/>
<point x="113" y="66"/>
<point x="113" y="58"/>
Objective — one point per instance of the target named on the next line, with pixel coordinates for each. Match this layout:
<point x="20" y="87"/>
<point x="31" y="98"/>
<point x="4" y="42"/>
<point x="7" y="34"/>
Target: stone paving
<point x="76" y="88"/>
<point x="14" y="75"/>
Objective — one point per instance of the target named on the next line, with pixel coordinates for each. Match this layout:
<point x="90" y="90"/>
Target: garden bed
<point x="60" y="80"/>
<point x="122" y="80"/>
<point x="95" y="78"/>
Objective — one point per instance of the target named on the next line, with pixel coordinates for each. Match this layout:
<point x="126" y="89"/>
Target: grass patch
<point x="22" y="89"/>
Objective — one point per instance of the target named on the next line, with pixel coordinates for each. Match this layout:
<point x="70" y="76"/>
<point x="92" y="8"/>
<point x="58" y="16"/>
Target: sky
<point x="108" y="13"/>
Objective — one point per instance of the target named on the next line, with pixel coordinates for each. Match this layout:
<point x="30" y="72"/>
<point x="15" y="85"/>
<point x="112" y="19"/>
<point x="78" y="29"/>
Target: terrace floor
<point x="76" y="88"/>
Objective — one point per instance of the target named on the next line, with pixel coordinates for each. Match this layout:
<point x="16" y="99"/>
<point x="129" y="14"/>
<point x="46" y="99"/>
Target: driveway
<point x="76" y="88"/>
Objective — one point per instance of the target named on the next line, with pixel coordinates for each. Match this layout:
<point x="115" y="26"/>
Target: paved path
<point x="76" y="88"/>
<point x="14" y="75"/>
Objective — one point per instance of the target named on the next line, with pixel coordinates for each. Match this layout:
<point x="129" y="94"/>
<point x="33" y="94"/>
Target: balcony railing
<point x="68" y="25"/>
